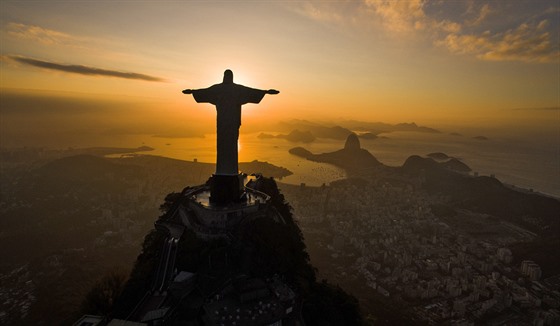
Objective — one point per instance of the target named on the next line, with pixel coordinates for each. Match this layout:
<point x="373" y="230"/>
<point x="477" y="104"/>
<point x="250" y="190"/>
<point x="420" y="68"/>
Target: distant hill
<point x="180" y="167"/>
<point x="344" y="128"/>
<point x="368" y="135"/>
<point x="413" y="127"/>
<point x="485" y="195"/>
<point x="295" y="136"/>
<point x="318" y="130"/>
<point x="71" y="219"/>
<point x="258" y="248"/>
<point x="449" y="162"/>
<point x="80" y="175"/>
<point x="301" y="152"/>
<point x="380" y="127"/>
<point x="102" y="151"/>
<point x="450" y="178"/>
<point x="456" y="165"/>
<point x="439" y="156"/>
<point x="352" y="157"/>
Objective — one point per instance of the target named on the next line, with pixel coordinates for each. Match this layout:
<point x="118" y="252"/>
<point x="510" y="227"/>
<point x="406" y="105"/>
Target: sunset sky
<point x="392" y="61"/>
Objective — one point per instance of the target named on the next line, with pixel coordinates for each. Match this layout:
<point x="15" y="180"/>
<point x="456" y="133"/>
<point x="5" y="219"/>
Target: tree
<point x="101" y="297"/>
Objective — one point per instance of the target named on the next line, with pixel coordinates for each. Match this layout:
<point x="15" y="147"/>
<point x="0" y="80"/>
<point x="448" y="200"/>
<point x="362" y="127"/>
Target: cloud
<point x="38" y="34"/>
<point x="319" y="14"/>
<point x="483" y="13"/>
<point x="80" y="45"/>
<point x="469" y="28"/>
<point x="527" y="43"/>
<point x="399" y="16"/>
<point x="84" y="70"/>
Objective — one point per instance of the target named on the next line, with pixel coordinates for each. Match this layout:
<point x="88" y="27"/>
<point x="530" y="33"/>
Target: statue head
<point x="228" y="77"/>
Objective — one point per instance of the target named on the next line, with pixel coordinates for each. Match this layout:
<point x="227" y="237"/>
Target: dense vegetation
<point x="259" y="248"/>
<point x="487" y="195"/>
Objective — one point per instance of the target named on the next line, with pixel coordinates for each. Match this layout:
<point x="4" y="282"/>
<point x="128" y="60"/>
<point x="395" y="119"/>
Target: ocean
<point x="530" y="164"/>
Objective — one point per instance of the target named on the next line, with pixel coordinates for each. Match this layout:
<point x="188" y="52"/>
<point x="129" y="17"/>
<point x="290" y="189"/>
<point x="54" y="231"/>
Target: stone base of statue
<point x="225" y="189"/>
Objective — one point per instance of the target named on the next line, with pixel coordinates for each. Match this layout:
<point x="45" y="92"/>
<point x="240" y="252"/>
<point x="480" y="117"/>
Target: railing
<point x="166" y="263"/>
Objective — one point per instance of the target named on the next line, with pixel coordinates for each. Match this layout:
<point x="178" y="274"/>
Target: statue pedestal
<point x="225" y="189"/>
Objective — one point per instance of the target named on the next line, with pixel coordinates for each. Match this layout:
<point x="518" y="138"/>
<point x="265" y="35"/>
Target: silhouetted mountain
<point x="380" y="127"/>
<point x="413" y="127"/>
<point x="344" y="128"/>
<point x="480" y="138"/>
<point x="450" y="179"/>
<point x="300" y="136"/>
<point x="318" y="130"/>
<point x="181" y="167"/>
<point x="76" y="176"/>
<point x="352" y="157"/>
<point x="456" y="165"/>
<point x="352" y="143"/>
<point x="484" y="194"/>
<point x="449" y="162"/>
<point x="294" y="136"/>
<point x="102" y="151"/>
<point x="263" y="135"/>
<point x="301" y="152"/>
<point x="368" y="135"/>
<point x="439" y="156"/>
<point x="259" y="248"/>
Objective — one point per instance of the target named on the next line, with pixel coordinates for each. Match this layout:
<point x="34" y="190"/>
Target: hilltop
<point x="450" y="178"/>
<point x="259" y="249"/>
<point x="352" y="157"/>
<point x="68" y="221"/>
<point x="307" y="131"/>
<point x="295" y="136"/>
<point x="486" y="195"/>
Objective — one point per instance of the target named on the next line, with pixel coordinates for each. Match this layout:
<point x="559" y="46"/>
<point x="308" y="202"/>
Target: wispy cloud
<point x="38" y="34"/>
<point x="84" y="70"/>
<point x="462" y="28"/>
<point x="527" y="42"/>
<point x="399" y="16"/>
<point x="482" y="14"/>
<point x="320" y="13"/>
<point x="47" y="39"/>
<point x="409" y="17"/>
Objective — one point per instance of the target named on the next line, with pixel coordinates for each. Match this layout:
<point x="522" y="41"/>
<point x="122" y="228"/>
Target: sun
<point x="242" y="77"/>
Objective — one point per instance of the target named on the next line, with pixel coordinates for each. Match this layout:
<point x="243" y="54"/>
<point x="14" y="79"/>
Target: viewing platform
<point x="196" y="212"/>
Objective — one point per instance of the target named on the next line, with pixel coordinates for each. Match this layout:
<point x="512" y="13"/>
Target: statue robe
<point x="228" y="99"/>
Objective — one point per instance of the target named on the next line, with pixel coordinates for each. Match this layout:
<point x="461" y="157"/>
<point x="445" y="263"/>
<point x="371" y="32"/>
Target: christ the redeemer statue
<point x="228" y="98"/>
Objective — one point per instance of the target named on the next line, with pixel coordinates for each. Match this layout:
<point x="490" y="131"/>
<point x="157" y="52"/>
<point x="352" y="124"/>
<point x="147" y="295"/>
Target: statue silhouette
<point x="228" y="98"/>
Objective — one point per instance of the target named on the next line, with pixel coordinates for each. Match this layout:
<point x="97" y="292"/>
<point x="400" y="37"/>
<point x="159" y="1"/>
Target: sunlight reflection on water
<point x="522" y="163"/>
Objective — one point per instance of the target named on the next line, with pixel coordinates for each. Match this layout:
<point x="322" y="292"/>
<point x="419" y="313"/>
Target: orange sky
<point x="430" y="62"/>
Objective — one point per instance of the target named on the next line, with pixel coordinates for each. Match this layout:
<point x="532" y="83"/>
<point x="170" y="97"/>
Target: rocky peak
<point x="352" y="142"/>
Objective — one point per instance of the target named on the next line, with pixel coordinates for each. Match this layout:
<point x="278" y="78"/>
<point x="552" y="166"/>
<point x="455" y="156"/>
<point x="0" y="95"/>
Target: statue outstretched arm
<point x="204" y="95"/>
<point x="270" y="91"/>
